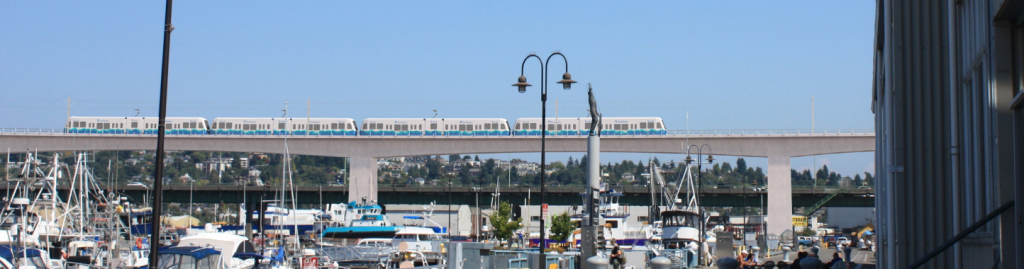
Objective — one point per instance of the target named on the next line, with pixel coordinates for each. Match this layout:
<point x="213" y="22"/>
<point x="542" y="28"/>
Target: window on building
<point x="535" y="218"/>
<point x="641" y="219"/>
<point x="611" y="223"/>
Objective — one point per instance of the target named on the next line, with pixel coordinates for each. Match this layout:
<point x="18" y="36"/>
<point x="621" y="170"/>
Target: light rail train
<point x="384" y="127"/>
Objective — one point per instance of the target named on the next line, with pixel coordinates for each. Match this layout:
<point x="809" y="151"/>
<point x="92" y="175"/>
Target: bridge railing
<point x="737" y="132"/>
<point x="31" y="131"/>
<point x="770" y="131"/>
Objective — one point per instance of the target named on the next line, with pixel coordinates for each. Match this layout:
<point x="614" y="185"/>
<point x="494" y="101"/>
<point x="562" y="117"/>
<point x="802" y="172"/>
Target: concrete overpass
<point x="779" y="146"/>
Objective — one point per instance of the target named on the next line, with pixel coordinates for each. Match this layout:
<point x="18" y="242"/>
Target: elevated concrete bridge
<point x="779" y="146"/>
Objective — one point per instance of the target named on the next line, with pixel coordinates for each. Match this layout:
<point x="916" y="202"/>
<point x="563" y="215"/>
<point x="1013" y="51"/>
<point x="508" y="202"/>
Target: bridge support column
<point x="780" y="195"/>
<point x="362" y="180"/>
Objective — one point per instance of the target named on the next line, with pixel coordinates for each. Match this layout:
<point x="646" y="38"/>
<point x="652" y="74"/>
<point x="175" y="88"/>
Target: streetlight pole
<point x="521" y="85"/>
<point x="700" y="189"/>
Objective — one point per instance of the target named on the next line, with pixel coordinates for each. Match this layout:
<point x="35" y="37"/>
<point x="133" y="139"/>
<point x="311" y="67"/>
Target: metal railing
<point x="668" y="132"/>
<point x="770" y="131"/>
<point x="962" y="235"/>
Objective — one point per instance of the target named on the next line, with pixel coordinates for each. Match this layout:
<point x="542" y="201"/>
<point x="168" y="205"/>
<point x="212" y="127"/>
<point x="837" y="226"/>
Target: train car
<point x="476" y="127"/>
<point x="95" y="125"/>
<point x="323" y="126"/>
<point x="556" y="127"/>
<point x="394" y="127"/>
<point x="136" y="125"/>
<point x="284" y="126"/>
<point x="248" y="126"/>
<point x="631" y="126"/>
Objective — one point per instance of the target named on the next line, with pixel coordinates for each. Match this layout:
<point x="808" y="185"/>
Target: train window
<point x="230" y="125"/>
<point x="380" y="126"/>
<point x="433" y="126"/>
<point x="614" y="224"/>
<point x="503" y="126"/>
<point x="659" y="125"/>
<point x="487" y="126"/>
<point x="135" y="125"/>
<point x="349" y="126"/>
<point x="533" y="126"/>
<point x="517" y="125"/>
<point x="334" y="126"/>
<point x="551" y="126"/>
<point x="643" y="125"/>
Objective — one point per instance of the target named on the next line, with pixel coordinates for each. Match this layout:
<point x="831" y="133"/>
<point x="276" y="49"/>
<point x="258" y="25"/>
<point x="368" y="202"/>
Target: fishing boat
<point x="616" y="221"/>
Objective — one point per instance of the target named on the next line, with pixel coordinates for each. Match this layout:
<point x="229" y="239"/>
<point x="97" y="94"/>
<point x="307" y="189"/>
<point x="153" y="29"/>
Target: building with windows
<point x="949" y="108"/>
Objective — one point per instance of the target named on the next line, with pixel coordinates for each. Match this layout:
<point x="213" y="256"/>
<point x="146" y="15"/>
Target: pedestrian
<point x="799" y="256"/>
<point x="748" y="261"/>
<point x="616" y="257"/>
<point x="836" y="261"/>
<point x="814" y="252"/>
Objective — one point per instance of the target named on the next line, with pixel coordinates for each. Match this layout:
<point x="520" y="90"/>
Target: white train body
<point x="135" y="125"/>
<point x="435" y="127"/>
<point x="284" y="126"/>
<point x="393" y="127"/>
<point x="369" y="127"/>
<point x="475" y="127"/>
<point x="581" y="126"/>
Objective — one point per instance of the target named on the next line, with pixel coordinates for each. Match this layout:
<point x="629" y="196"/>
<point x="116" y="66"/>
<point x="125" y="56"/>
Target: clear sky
<point x="731" y="65"/>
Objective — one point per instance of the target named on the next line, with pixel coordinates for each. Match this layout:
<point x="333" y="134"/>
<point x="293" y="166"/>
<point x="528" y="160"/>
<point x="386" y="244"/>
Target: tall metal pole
<point x="154" y="247"/>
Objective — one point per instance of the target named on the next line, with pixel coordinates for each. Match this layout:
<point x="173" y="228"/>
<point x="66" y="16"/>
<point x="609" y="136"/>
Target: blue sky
<point x="731" y="65"/>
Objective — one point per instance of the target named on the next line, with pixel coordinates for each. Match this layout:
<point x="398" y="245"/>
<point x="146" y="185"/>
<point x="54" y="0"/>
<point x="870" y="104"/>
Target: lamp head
<point x="710" y="159"/>
<point x="522" y="84"/>
<point x="688" y="159"/>
<point x="566" y="81"/>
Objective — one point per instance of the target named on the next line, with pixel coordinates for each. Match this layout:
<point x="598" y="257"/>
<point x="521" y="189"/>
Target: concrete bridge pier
<point x="362" y="179"/>
<point x="780" y="194"/>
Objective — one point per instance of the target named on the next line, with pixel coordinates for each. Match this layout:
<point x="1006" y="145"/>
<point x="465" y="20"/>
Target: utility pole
<point x="307" y="117"/>
<point x="69" y="113"/>
<point x="154" y="247"/>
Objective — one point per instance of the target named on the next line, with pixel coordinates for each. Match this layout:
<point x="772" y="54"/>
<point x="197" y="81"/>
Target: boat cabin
<point x="189" y="257"/>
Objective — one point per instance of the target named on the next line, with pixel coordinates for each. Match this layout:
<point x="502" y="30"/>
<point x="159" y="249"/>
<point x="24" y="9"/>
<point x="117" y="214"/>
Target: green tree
<point x="561" y="227"/>
<point x="502" y="223"/>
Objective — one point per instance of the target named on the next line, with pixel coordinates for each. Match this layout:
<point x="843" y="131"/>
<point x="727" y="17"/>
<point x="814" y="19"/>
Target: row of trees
<point x="110" y="166"/>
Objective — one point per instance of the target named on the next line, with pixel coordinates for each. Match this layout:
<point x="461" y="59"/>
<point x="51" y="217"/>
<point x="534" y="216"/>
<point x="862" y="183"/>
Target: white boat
<point x="228" y="246"/>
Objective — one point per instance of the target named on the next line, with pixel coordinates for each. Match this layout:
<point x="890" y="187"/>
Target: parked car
<point x="804" y="240"/>
<point x="842" y="241"/>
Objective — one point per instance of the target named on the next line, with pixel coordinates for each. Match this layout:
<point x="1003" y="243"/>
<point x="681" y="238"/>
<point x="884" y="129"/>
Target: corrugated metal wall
<point x="940" y="112"/>
<point x="920" y="131"/>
